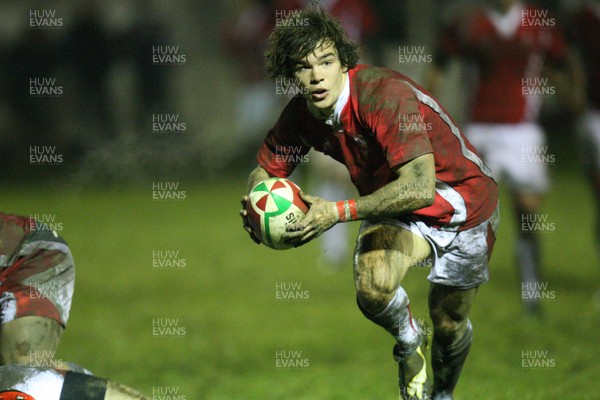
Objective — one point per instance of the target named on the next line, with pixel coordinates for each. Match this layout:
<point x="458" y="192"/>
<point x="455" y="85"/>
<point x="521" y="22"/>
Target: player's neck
<point x="325" y="114"/>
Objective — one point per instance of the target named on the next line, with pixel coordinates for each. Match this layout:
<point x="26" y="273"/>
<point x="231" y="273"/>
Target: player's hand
<point x="246" y="224"/>
<point x="321" y="216"/>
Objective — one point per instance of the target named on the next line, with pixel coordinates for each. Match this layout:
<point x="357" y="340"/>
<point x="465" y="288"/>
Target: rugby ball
<point x="272" y="206"/>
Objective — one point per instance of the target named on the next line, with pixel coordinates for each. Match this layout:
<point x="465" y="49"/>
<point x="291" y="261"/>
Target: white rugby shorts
<point x="516" y="153"/>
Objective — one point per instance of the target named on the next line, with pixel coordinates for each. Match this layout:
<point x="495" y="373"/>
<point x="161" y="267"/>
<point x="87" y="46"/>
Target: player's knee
<point x="376" y="283"/>
<point x="447" y="325"/>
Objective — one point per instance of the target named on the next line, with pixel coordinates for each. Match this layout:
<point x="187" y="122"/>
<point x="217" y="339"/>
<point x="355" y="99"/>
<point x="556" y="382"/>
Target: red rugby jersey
<point x="388" y="120"/>
<point x="507" y="53"/>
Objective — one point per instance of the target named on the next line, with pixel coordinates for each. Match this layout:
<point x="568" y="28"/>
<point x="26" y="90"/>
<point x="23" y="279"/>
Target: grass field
<point x="230" y="337"/>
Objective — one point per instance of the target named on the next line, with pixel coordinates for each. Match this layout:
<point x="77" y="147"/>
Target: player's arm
<point x="257" y="175"/>
<point x="413" y="189"/>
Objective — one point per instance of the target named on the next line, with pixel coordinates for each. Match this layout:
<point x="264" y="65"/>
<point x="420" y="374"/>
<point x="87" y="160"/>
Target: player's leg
<point x="525" y="165"/>
<point x="34" y="307"/>
<point x="29" y="341"/>
<point x="459" y="268"/>
<point x="449" y="310"/>
<point x="527" y="206"/>
<point x="383" y="256"/>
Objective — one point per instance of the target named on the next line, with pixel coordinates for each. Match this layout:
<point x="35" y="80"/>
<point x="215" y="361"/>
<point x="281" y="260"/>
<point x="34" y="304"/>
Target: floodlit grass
<point x="232" y="327"/>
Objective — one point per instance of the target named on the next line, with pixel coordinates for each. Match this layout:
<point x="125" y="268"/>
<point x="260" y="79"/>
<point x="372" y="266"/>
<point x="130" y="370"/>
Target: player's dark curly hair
<point x="297" y="37"/>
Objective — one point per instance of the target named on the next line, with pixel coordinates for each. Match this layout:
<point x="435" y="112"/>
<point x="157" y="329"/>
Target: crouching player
<point x="19" y="382"/>
<point x="426" y="198"/>
<point x="37" y="278"/>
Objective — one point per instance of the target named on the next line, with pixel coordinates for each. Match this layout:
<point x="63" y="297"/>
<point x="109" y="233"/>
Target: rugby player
<point x="426" y="198"/>
<point x="37" y="278"/>
<point x="505" y="47"/>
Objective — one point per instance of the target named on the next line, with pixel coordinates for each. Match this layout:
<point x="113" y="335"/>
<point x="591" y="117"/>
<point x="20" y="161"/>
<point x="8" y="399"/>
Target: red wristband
<point x="353" y="210"/>
<point x="340" y="209"/>
<point x="347" y="210"/>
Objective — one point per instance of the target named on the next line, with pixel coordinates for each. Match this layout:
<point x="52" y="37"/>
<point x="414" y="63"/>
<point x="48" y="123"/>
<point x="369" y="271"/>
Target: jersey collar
<point x="507" y="24"/>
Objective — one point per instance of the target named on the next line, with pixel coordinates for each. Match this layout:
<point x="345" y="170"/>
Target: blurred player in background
<point x="584" y="34"/>
<point x="19" y="382"/>
<point x="506" y="46"/>
<point x="37" y="277"/>
<point x="426" y="198"/>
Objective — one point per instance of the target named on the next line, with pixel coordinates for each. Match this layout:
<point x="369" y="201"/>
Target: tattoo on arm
<point x="413" y="189"/>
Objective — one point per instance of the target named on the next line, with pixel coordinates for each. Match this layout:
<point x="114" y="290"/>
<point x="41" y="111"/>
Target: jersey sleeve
<point x="283" y="148"/>
<point x="396" y="119"/>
